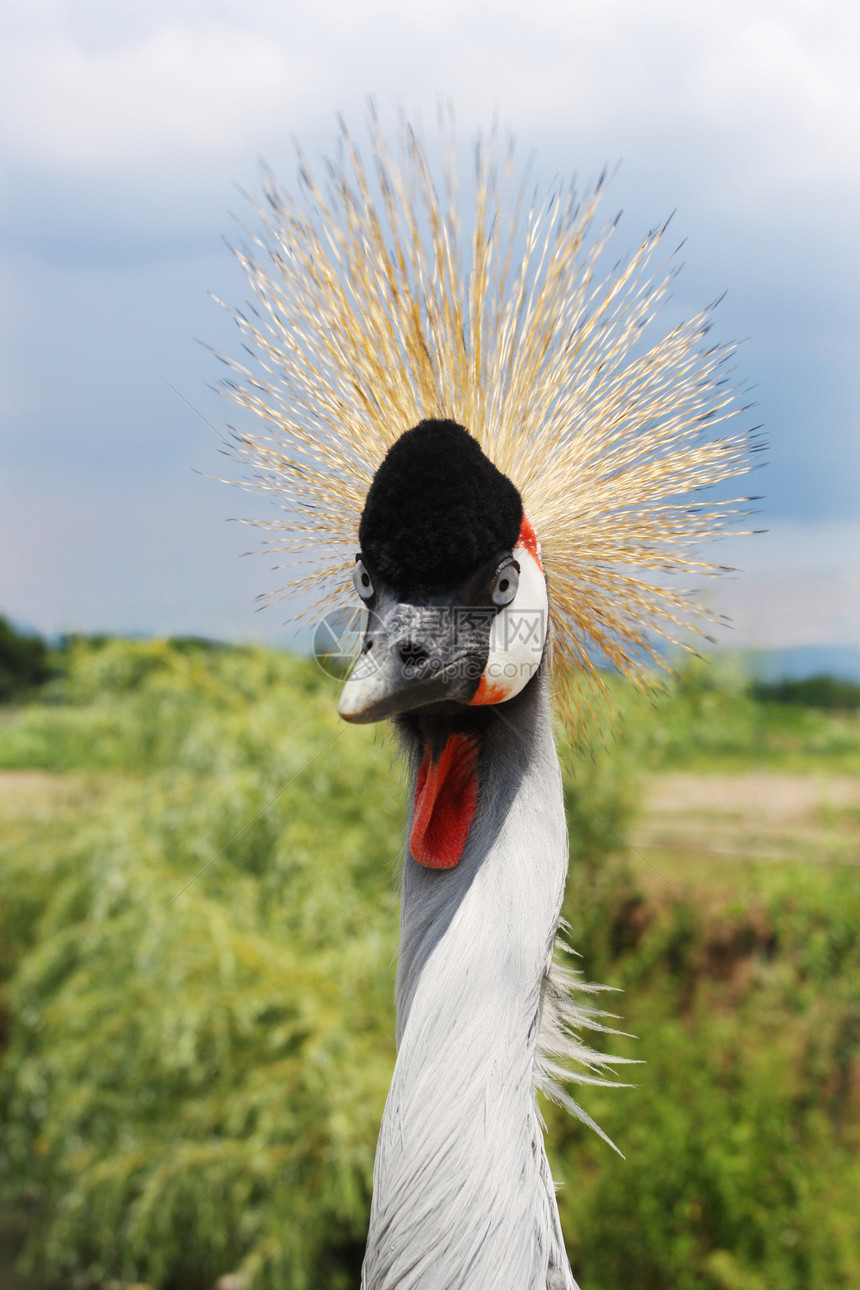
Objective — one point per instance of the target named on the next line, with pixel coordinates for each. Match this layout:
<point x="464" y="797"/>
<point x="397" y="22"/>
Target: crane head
<point x="450" y="573"/>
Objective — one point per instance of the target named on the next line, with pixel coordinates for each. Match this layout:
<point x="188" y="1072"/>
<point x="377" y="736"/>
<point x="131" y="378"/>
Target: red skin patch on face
<point x="528" y="539"/>
<point x="496" y="691"/>
<point x="446" y="796"/>
<point x="489" y="692"/>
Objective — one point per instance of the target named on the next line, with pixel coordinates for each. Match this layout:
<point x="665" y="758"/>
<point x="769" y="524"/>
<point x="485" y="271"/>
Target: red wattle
<point x="446" y="796"/>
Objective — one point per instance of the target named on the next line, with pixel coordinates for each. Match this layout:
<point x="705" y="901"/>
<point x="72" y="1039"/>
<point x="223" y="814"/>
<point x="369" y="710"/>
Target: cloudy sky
<point x="125" y="131"/>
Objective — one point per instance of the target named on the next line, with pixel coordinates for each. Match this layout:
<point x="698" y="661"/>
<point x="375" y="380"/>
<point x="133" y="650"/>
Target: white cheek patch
<point x="517" y="636"/>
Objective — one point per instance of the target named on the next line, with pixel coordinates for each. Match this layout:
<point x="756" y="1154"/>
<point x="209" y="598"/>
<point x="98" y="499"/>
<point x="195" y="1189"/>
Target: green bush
<point x="201" y="1033"/>
<point x="710" y="716"/>
<point x="23" y="661"/>
<point x="742" y="1137"/>
<point x="199" y="976"/>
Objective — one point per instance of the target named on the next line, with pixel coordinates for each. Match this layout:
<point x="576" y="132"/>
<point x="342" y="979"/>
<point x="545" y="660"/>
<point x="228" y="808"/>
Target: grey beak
<point x="413" y="655"/>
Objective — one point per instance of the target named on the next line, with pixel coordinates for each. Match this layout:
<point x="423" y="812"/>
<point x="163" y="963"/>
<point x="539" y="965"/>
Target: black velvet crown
<point x="437" y="510"/>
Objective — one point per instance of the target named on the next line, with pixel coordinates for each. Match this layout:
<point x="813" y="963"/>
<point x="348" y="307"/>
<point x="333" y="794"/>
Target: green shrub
<point x="23" y="661"/>
<point x="201" y="1035"/>
<point x="742" y="1137"/>
<point x="198" y="979"/>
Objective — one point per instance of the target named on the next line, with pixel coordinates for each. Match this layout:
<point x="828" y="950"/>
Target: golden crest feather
<point x="373" y="310"/>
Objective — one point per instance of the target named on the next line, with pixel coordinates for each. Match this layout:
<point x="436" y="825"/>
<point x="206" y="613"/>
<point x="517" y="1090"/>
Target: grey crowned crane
<point x="450" y="569"/>
<point x="510" y="452"/>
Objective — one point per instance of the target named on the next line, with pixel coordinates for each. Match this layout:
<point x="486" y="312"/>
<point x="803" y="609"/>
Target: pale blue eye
<point x="362" y="582"/>
<point x="507" y="583"/>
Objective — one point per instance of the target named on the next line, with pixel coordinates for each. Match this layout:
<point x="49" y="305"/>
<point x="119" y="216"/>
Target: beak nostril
<point x="412" y="654"/>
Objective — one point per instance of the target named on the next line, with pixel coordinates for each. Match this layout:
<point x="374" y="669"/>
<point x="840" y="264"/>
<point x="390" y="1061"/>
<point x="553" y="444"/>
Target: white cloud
<point x="178" y="92"/>
<point x="786" y="91"/>
<point x="769" y="89"/>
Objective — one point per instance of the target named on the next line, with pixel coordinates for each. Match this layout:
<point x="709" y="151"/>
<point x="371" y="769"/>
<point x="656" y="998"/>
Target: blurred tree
<point x="24" y="662"/>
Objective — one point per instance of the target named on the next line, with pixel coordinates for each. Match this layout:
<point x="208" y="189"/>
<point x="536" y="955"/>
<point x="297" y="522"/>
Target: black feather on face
<point x="437" y="509"/>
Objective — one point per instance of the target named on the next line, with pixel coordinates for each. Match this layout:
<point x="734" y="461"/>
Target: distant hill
<point x="841" y="661"/>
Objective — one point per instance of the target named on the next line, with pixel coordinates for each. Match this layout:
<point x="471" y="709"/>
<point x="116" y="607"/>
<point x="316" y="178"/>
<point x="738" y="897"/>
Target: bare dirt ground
<point x="22" y="791"/>
<point x="18" y="787"/>
<point x="756" y="815"/>
<point x="35" y="803"/>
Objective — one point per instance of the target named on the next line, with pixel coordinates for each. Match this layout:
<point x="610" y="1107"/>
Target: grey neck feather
<point x="463" y="1198"/>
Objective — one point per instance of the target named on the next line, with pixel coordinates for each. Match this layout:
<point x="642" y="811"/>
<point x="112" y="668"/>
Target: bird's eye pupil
<point x="507" y="581"/>
<point x="365" y="581"/>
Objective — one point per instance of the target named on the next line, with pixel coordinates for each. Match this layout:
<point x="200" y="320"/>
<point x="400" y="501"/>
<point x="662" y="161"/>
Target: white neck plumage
<point x="463" y="1198"/>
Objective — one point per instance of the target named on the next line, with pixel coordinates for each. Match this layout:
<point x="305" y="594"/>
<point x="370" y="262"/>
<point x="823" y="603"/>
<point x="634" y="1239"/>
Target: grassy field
<point x="197" y="926"/>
